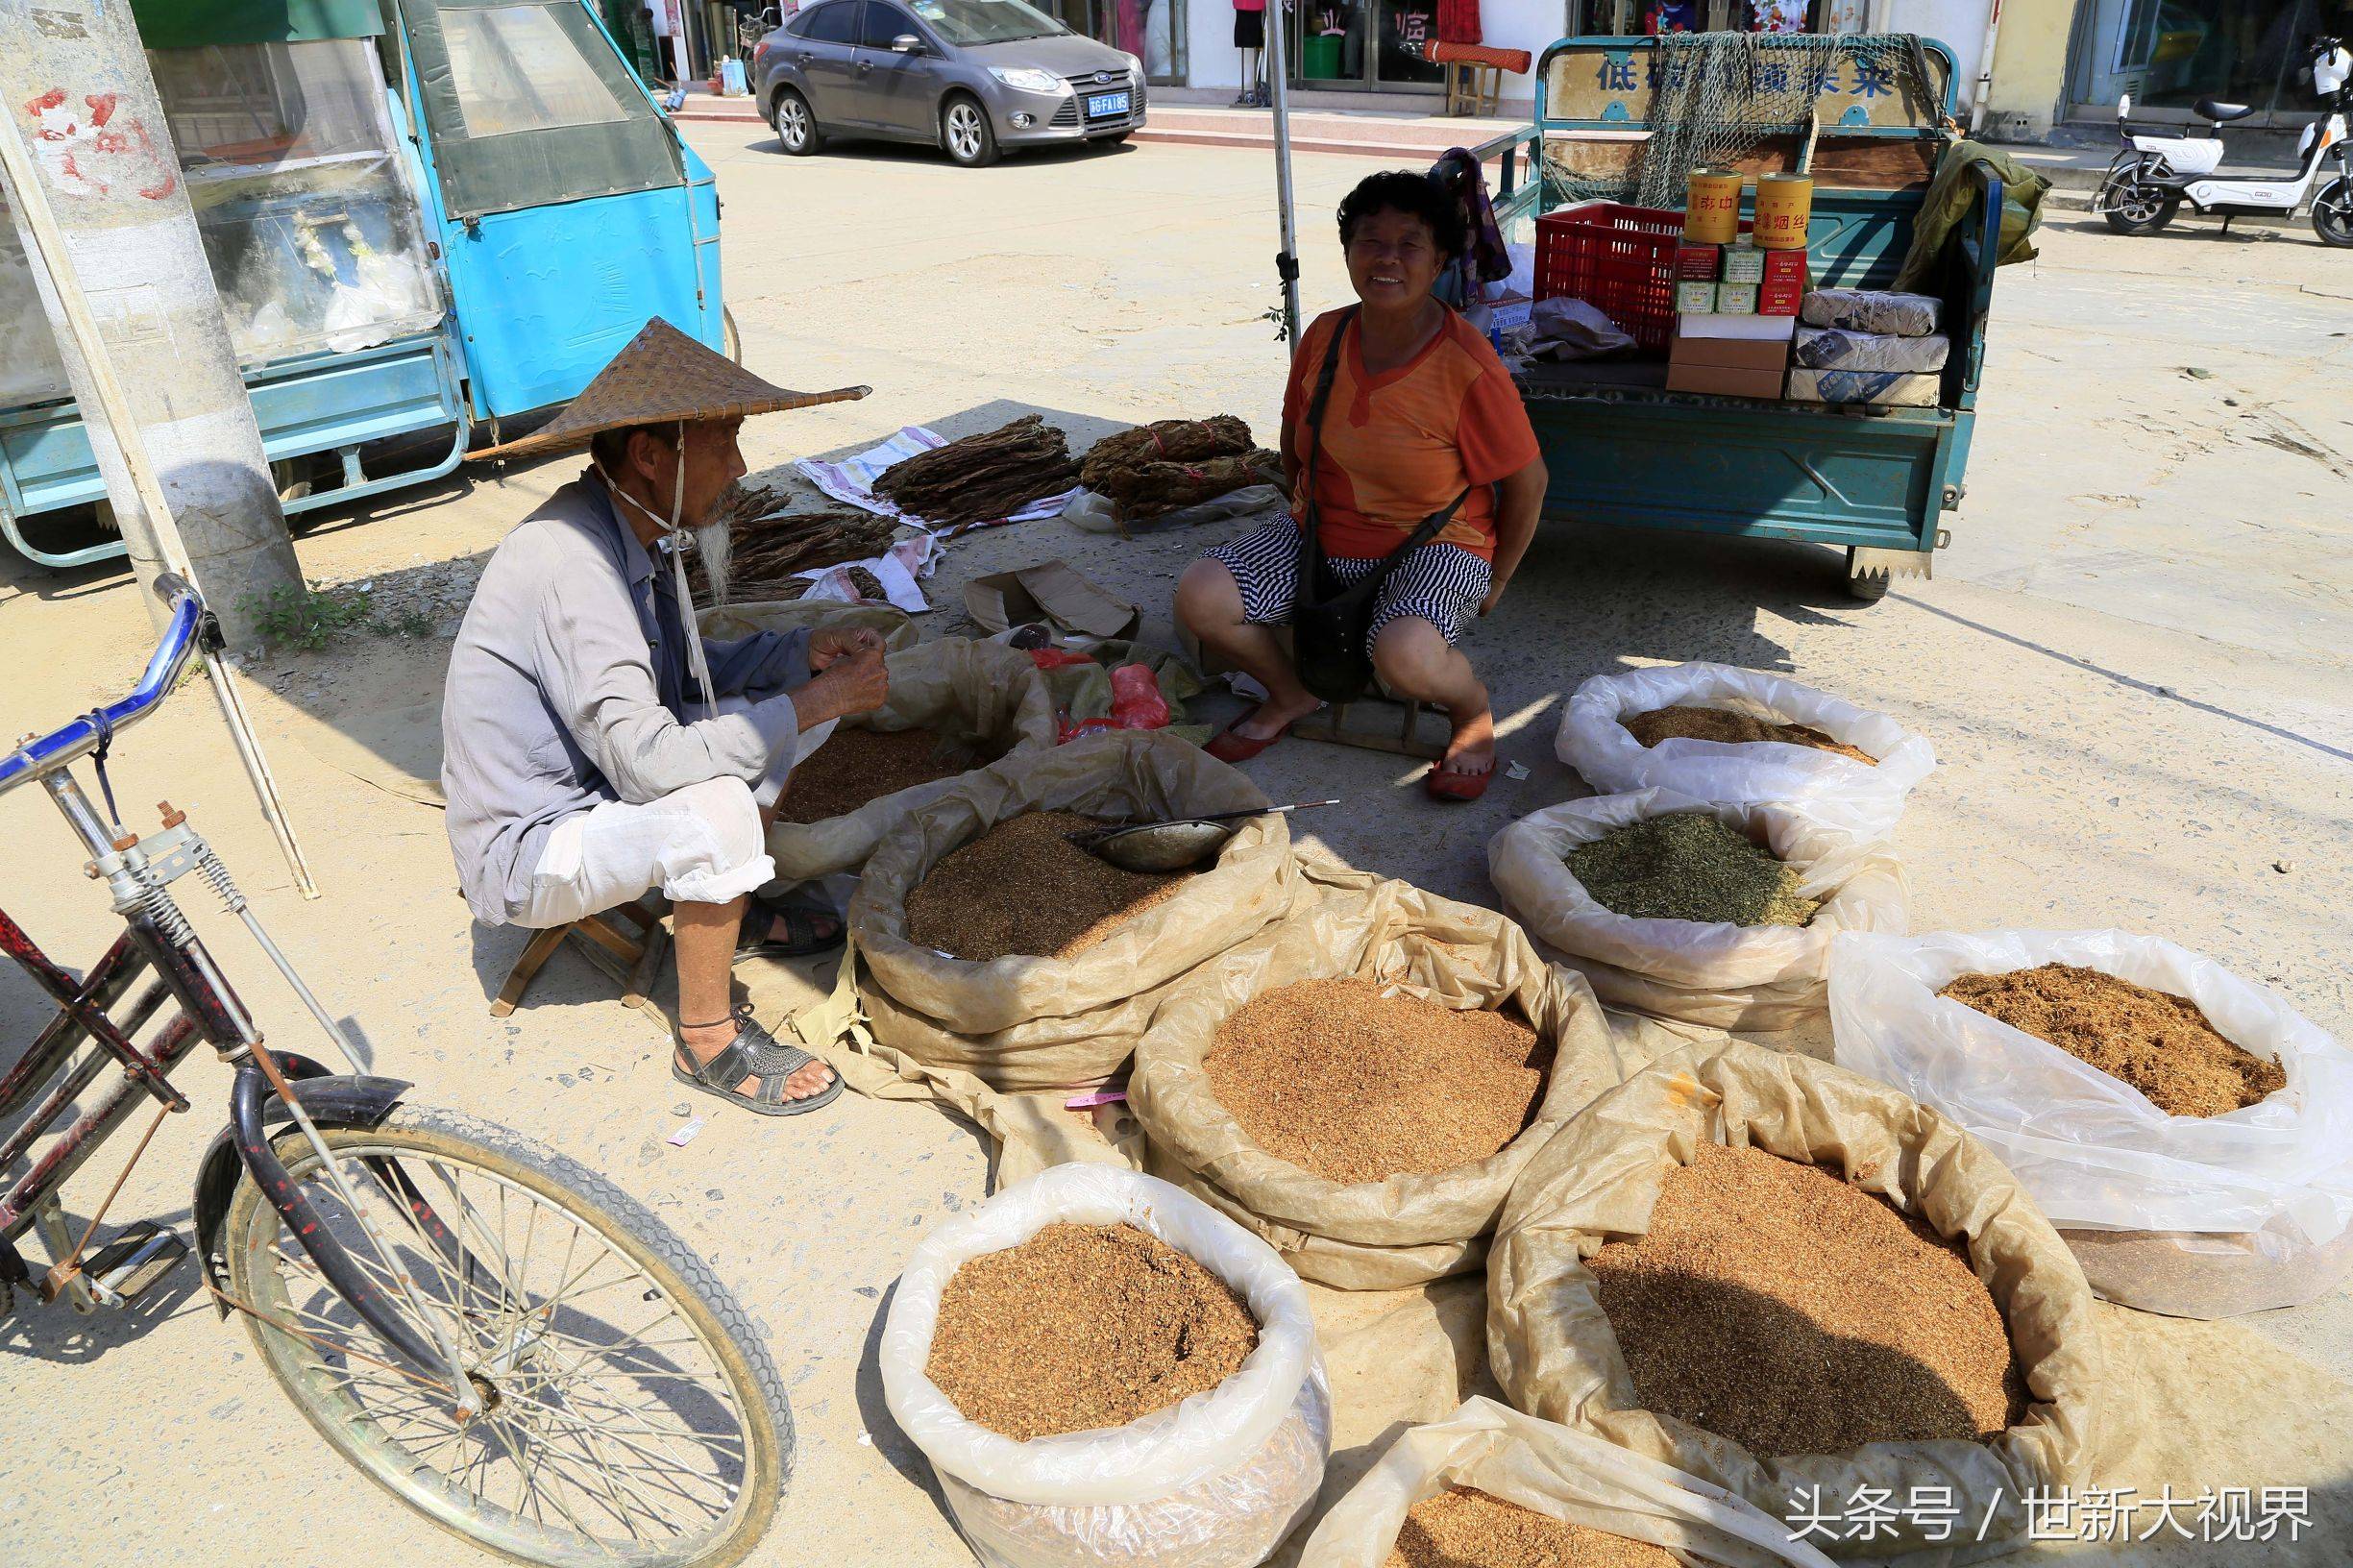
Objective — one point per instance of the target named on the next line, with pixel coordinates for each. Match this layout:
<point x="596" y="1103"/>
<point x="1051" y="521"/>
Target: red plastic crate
<point x="1617" y="257"/>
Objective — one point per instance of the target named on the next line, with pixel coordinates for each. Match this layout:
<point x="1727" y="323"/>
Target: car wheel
<point x="966" y="134"/>
<point x="796" y="127"/>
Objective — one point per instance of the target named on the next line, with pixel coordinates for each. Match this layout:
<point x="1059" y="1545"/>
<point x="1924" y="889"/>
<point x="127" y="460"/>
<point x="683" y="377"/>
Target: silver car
<point x="973" y="77"/>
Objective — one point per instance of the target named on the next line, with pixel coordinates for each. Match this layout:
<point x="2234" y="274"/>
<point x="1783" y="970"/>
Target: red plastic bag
<point x="1136" y="700"/>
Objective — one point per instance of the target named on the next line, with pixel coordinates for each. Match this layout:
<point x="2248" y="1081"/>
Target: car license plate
<point x="1103" y="103"/>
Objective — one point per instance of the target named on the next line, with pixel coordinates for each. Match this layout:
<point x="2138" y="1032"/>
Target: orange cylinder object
<point x="1784" y="204"/>
<point x="1711" y="209"/>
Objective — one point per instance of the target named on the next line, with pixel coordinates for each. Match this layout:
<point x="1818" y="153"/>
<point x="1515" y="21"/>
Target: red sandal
<point x="1230" y="745"/>
<point x="1444" y="784"/>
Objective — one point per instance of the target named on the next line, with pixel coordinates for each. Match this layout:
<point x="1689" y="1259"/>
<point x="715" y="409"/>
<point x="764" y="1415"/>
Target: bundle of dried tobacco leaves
<point x="982" y="477"/>
<point x="1176" y="462"/>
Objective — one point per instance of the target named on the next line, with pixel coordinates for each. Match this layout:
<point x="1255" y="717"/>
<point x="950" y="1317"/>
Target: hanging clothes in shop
<point x="1249" y="24"/>
<point x="1776" y="15"/>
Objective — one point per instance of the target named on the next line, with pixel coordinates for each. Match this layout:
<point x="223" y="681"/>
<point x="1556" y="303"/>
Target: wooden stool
<point x="1378" y="724"/>
<point x="1473" y="90"/>
<point x="631" y="960"/>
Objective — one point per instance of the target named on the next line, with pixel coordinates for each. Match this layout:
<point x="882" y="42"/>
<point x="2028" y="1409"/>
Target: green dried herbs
<point x="1689" y="866"/>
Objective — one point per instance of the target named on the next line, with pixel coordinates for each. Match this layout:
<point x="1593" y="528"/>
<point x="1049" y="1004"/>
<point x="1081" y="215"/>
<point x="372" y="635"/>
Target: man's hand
<point x="831" y="643"/>
<point x="852" y="682"/>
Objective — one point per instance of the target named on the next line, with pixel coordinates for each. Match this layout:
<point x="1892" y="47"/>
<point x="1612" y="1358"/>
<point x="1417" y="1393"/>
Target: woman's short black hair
<point x="1414" y="195"/>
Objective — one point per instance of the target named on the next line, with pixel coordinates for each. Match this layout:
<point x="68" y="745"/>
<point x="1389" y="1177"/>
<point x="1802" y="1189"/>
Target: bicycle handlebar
<point x="62" y="748"/>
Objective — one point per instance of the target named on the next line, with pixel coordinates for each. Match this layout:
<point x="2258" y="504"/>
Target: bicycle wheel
<point x="629" y="1415"/>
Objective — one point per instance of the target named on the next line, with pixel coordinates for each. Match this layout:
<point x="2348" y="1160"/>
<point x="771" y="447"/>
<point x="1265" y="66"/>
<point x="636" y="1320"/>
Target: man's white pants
<point x="701" y="844"/>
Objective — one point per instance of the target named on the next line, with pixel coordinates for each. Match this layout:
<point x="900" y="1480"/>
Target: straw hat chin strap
<point x="676" y="532"/>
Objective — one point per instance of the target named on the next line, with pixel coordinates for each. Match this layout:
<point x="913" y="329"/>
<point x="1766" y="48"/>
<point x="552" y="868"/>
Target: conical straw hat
<point x="662" y="377"/>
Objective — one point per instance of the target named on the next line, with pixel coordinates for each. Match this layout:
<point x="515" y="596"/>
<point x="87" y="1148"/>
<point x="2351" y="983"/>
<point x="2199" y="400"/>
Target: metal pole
<point x="1278" y="84"/>
<point x="131" y="477"/>
<point x="88" y="145"/>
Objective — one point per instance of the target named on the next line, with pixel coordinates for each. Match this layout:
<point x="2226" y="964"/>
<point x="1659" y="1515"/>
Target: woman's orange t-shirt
<point x="1398" y="446"/>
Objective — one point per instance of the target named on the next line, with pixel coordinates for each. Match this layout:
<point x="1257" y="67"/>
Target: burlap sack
<point x="1033" y="1023"/>
<point x="980" y="694"/>
<point x="1699" y="972"/>
<point x="730" y="620"/>
<point x="1408" y="1229"/>
<point x="1553" y="1353"/>
<point x="1564" y="1474"/>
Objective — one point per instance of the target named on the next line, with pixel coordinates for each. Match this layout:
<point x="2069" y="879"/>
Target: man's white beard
<point x="712" y="543"/>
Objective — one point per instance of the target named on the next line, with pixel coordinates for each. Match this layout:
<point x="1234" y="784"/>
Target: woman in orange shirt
<point x="1421" y="414"/>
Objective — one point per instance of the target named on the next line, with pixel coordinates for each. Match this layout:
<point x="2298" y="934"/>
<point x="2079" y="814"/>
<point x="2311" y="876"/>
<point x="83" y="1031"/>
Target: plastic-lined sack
<point x="742" y="619"/>
<point x="1552" y="1349"/>
<point x="1854" y="798"/>
<point x="1870" y="310"/>
<point x="1699" y="972"/>
<point x="2194" y="1216"/>
<point x="1411" y="1228"/>
<point x="1024" y="1023"/>
<point x="1214" y="1482"/>
<point x="1831" y="348"/>
<point x="1887" y="389"/>
<point x="1554" y="1470"/>
<point x="978" y="694"/>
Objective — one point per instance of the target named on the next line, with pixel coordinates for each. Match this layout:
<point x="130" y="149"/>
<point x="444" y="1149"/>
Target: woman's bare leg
<point x="1209" y="604"/>
<point x="1416" y="661"/>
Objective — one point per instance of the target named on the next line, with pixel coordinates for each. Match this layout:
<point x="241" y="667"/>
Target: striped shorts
<point x="1443" y="584"/>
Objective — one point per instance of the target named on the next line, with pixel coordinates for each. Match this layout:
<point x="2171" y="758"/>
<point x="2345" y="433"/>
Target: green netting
<point x="1716" y="98"/>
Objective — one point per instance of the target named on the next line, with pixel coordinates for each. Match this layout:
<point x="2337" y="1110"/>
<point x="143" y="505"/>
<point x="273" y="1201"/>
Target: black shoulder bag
<point x="1330" y="624"/>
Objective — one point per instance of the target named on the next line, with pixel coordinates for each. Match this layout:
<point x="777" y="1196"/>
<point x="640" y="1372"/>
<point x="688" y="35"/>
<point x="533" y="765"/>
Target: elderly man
<point x="596" y="747"/>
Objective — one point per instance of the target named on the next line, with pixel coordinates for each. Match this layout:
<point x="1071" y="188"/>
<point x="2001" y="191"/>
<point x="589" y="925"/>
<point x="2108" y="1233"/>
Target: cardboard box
<point x="1051" y="592"/>
<point x="1697" y="263"/>
<point x="1695" y="299"/>
<point x="1722" y="381"/>
<point x="1756" y="328"/>
<point x="1744" y="264"/>
<point x="1691" y="350"/>
<point x="1780" y="299"/>
<point x="1736" y="299"/>
<point x="1783" y="267"/>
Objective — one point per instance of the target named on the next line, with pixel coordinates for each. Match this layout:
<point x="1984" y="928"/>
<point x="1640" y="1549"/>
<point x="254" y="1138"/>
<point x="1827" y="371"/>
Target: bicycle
<point x="456" y="1308"/>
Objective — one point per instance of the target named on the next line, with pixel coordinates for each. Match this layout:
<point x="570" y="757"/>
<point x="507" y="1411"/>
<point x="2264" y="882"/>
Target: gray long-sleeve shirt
<point x="569" y="686"/>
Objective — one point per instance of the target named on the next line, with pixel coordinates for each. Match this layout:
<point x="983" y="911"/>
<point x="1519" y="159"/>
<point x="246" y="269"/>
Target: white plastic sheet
<point x="1854" y="798"/>
<point x="1557" y="1471"/>
<point x="2197" y="1216"/>
<point x="1699" y="972"/>
<point x="1214" y="1482"/>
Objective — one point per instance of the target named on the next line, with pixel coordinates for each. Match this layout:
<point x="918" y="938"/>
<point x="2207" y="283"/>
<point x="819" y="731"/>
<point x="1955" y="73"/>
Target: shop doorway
<point x="1153" y="31"/>
<point x="1635" y="18"/>
<point x="1364" y="45"/>
<point x="2168" y="54"/>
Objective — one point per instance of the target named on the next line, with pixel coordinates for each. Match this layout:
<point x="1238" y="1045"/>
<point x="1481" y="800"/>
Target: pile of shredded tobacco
<point x="1081" y="1327"/>
<point x="1464" y="1528"/>
<point x="1771" y="1303"/>
<point x="1690" y="724"/>
<point x="1358" y="1082"/>
<point x="1023" y="889"/>
<point x="2160" y="1044"/>
<point x="1689" y="866"/>
<point x="856" y="765"/>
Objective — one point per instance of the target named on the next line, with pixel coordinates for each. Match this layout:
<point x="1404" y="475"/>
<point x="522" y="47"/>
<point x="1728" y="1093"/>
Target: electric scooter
<point x="2153" y="175"/>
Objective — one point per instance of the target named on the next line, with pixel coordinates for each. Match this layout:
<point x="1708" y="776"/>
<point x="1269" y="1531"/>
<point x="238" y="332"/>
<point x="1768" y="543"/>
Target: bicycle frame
<point x="159" y="941"/>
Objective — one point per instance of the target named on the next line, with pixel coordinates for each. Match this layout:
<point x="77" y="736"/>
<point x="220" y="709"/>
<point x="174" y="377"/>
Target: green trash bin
<point x="1322" y="57"/>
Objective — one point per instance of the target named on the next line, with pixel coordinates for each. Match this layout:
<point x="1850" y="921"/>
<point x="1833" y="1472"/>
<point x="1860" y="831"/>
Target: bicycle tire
<point x="253" y="1233"/>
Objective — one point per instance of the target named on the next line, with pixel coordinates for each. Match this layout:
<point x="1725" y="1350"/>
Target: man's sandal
<point x="755" y="1053"/>
<point x="755" y="937"/>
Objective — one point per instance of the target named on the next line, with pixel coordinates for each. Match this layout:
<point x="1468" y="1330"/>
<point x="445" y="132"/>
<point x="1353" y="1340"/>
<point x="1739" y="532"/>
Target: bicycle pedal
<point x="133" y="1261"/>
